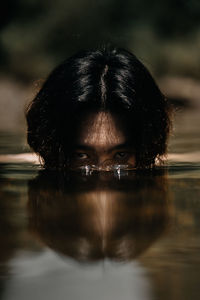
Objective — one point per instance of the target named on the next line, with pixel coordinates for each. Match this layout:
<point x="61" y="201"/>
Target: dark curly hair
<point x="108" y="79"/>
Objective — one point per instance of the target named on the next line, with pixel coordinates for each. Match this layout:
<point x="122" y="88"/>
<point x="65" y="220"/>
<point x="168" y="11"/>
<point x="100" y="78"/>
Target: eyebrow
<point x="116" y="147"/>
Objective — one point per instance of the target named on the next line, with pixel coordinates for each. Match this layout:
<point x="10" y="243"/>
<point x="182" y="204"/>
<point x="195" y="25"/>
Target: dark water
<point x="103" y="237"/>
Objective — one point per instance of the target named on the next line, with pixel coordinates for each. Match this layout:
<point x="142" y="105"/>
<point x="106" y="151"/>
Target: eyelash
<point x="119" y="157"/>
<point x="84" y="156"/>
<point x="78" y="156"/>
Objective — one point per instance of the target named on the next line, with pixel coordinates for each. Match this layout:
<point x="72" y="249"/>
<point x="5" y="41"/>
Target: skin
<point x="102" y="142"/>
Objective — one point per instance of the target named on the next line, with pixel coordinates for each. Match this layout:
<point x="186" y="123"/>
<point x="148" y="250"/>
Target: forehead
<point x="100" y="130"/>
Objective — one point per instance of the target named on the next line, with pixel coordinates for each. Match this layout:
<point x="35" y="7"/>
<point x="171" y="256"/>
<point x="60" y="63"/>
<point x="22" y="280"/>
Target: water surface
<point x="104" y="236"/>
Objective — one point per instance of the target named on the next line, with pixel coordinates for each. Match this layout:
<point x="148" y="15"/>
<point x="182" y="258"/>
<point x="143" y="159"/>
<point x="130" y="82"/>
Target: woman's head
<point x="102" y="98"/>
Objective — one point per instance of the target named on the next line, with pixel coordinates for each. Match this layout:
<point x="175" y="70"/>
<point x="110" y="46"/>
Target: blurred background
<point x="36" y="35"/>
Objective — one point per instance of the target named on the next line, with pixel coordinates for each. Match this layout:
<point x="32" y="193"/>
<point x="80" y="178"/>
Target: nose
<point x="105" y="164"/>
<point x="103" y="159"/>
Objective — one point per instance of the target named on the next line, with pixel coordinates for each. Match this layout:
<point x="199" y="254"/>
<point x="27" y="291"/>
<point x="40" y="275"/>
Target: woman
<point x="100" y="109"/>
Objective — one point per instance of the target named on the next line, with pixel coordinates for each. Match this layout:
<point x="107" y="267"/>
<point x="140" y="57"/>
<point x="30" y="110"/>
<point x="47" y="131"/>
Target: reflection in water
<point x="171" y="265"/>
<point x="48" y="276"/>
<point x="8" y="227"/>
<point x="92" y="218"/>
<point x="100" y="220"/>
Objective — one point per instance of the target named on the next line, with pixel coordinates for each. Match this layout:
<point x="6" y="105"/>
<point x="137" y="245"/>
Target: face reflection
<point x="90" y="220"/>
<point x="101" y="142"/>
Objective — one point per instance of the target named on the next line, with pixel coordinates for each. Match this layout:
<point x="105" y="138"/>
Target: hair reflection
<point x="97" y="217"/>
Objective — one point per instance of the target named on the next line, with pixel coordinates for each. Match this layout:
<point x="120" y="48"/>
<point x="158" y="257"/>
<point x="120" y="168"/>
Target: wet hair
<point x="108" y="79"/>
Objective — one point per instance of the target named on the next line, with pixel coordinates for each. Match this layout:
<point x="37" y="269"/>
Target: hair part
<point x="109" y="79"/>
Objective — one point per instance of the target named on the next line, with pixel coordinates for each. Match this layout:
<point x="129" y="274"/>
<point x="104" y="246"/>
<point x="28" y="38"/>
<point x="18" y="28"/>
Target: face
<point x="102" y="142"/>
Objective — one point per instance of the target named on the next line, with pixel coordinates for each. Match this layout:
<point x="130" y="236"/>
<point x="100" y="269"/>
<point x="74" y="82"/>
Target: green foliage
<point x="36" y="35"/>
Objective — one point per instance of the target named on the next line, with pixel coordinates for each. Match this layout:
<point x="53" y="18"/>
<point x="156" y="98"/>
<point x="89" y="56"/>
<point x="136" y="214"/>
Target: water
<point x="102" y="237"/>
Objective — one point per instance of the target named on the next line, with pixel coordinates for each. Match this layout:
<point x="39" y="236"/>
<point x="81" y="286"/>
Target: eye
<point x="81" y="156"/>
<point x="121" y="155"/>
